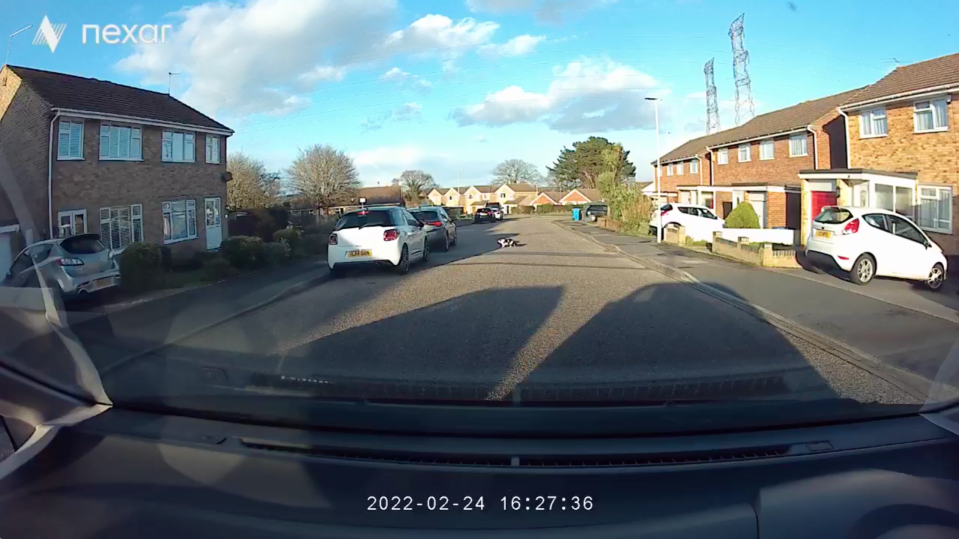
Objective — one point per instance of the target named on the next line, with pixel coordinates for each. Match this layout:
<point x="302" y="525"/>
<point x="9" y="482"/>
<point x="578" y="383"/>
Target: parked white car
<point x="377" y="236"/>
<point x="700" y="222"/>
<point x="867" y="242"/>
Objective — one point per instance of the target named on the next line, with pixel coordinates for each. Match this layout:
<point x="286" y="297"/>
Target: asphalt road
<point x="557" y="314"/>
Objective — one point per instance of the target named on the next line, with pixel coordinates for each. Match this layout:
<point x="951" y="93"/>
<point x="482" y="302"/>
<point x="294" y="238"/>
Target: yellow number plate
<point x="102" y="283"/>
<point x="359" y="252"/>
<point x="823" y="234"/>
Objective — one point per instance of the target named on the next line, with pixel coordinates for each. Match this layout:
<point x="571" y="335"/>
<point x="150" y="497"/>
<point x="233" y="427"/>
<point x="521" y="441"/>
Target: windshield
<point x="515" y="203"/>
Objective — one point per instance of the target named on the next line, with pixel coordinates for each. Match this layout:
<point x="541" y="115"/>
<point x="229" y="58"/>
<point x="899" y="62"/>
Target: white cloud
<point x="407" y="80"/>
<point x="404" y="113"/>
<point x="555" y="11"/>
<point x="324" y="73"/>
<point x="403" y="156"/>
<point x="517" y="46"/>
<point x="437" y="35"/>
<point x="585" y="96"/>
<point x="381" y="164"/>
<point x="498" y="6"/>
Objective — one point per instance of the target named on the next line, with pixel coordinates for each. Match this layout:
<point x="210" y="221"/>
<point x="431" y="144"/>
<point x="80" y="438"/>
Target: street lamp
<point x="10" y="40"/>
<point x="659" y="170"/>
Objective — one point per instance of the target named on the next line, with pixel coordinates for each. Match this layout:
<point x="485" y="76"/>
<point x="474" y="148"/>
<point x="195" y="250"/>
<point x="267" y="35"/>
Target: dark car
<point x="497" y="210"/>
<point x="484" y="214"/>
<point x="594" y="211"/>
<point x="439" y="228"/>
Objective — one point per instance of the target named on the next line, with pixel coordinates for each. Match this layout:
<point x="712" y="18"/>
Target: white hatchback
<point x="870" y="242"/>
<point x="377" y="236"/>
<point x="699" y="221"/>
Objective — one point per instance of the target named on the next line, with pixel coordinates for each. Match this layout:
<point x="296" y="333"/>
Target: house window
<point x="935" y="208"/>
<point x="706" y="199"/>
<point x="121" y="225"/>
<point x="694" y="166"/>
<point x="502" y="195"/>
<point x="669" y="170"/>
<point x="798" y="145"/>
<point x="723" y="156"/>
<point x="766" y="150"/>
<point x="894" y="198"/>
<point x="679" y="168"/>
<point x="213" y="149"/>
<point x="179" y="220"/>
<point x="72" y="222"/>
<point x="178" y="147"/>
<point x="930" y="116"/>
<point x="872" y="123"/>
<point x="120" y="143"/>
<point x="70" y="140"/>
<point x="450" y="198"/>
<point x="743" y="153"/>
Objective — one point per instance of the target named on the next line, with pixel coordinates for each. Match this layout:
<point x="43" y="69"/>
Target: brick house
<point x="581" y="196"/>
<point x="454" y="198"/>
<point x="903" y="142"/>
<point x="759" y="161"/>
<point x="87" y="155"/>
<point x="511" y="195"/>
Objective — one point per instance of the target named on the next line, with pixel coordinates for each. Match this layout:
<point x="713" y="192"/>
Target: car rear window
<point x="82" y="245"/>
<point x="362" y="219"/>
<point x="426" y="215"/>
<point x="494" y="205"/>
<point x="833" y="216"/>
<point x="597" y="207"/>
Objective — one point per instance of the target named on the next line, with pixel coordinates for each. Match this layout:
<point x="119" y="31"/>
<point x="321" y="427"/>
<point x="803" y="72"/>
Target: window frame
<point x="873" y="198"/>
<point x="186" y="212"/>
<point x="132" y="129"/>
<point x="173" y="133"/>
<point x="73" y="221"/>
<point x="694" y="166"/>
<point x="209" y="139"/>
<point x="797" y="137"/>
<point x="739" y="153"/>
<point x="669" y="169"/>
<point x="722" y="156"/>
<point x="62" y="122"/>
<point x="920" y="198"/>
<point x="932" y="111"/>
<point x="680" y="169"/>
<point x="891" y="222"/>
<point x="869" y="115"/>
<point x="136" y="215"/>
<point x="772" y="149"/>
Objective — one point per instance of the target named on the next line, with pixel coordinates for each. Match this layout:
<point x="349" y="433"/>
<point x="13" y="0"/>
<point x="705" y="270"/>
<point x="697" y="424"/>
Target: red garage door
<point x="821" y="199"/>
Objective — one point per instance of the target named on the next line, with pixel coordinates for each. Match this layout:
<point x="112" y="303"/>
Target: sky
<point x="453" y="87"/>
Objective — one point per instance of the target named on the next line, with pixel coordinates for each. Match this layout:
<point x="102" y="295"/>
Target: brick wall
<point x="24" y="140"/>
<point x="720" y="199"/>
<point x="92" y="184"/>
<point x="935" y="156"/>
<point x="781" y="170"/>
<point x="775" y="210"/>
<point x="683" y="176"/>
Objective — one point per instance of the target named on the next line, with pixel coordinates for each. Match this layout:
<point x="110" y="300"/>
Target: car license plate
<point x="359" y="252"/>
<point x="823" y="234"/>
<point x="102" y="283"/>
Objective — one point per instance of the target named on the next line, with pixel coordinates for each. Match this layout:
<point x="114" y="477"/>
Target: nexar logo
<point x="50" y="34"/>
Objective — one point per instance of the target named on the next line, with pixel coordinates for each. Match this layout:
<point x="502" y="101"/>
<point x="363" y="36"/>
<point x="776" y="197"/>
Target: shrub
<point x="743" y="216"/>
<point x="243" y="252"/>
<point x="201" y="257"/>
<point x="314" y="244"/>
<point x="524" y="209"/>
<point x="276" y="254"/>
<point x="544" y="208"/>
<point x="141" y="266"/>
<point x="290" y="235"/>
<point x="217" y="269"/>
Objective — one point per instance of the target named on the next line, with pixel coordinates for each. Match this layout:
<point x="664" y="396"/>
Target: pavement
<point x="561" y="317"/>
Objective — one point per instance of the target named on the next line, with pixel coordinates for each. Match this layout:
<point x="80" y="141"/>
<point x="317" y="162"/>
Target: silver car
<point x="440" y="229"/>
<point x="78" y="264"/>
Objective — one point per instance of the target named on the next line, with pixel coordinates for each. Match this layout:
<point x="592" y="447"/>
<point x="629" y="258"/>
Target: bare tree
<point x="516" y="171"/>
<point x="415" y="184"/>
<point x="252" y="186"/>
<point x="324" y="176"/>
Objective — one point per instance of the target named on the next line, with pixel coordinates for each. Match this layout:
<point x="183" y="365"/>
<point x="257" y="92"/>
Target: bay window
<point x="121" y="225"/>
<point x="930" y="116"/>
<point x="872" y="123"/>
<point x="178" y="147"/>
<point x="120" y="143"/>
<point x="935" y="208"/>
<point x="179" y="220"/>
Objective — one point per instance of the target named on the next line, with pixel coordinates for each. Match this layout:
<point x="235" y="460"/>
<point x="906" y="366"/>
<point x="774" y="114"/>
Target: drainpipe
<point x="50" y="178"/>
<point x="848" y="148"/>
<point x="815" y="148"/>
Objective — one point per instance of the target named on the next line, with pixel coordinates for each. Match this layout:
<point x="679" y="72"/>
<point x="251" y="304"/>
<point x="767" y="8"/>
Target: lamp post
<point x="10" y="40"/>
<point x="659" y="171"/>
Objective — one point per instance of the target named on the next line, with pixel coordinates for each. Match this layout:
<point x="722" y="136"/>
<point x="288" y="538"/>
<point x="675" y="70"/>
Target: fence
<point x="759" y="254"/>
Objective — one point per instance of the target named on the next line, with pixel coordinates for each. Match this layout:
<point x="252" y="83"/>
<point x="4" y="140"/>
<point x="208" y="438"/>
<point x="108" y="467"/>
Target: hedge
<point x="290" y="235"/>
<point x="276" y="254"/>
<point x="314" y="244"/>
<point x="743" y="216"/>
<point x="243" y="252"/>
<point x="141" y="266"/>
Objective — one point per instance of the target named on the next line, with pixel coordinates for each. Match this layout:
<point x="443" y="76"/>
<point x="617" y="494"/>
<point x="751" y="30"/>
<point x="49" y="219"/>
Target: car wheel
<point x="403" y="267"/>
<point x="863" y="270"/>
<point x="937" y="277"/>
<point x="446" y="241"/>
<point x="426" y="251"/>
<point x="453" y="241"/>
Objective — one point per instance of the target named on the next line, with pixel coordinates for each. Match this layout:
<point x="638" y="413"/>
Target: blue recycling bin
<point x="577" y="214"/>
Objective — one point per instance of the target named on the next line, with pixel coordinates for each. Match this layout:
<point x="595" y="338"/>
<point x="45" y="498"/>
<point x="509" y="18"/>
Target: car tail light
<point x="391" y="235"/>
<point x="70" y="262"/>
<point x="434" y="223"/>
<point x="332" y="239"/>
<point x="851" y="227"/>
<point x="663" y="213"/>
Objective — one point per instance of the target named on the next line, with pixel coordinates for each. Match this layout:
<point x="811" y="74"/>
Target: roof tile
<point x="942" y="71"/>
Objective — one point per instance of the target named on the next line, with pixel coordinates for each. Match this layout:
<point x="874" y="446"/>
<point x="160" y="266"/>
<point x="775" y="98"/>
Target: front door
<point x="214" y="224"/>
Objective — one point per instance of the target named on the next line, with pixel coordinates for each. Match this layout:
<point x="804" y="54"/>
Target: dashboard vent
<point x="438" y="459"/>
